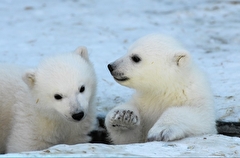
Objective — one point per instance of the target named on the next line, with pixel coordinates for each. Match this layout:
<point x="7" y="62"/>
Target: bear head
<point x="64" y="83"/>
<point x="151" y="63"/>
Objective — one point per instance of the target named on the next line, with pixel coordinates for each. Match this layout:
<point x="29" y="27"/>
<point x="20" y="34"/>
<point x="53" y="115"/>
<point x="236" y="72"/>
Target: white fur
<point x="33" y="119"/>
<point x="172" y="100"/>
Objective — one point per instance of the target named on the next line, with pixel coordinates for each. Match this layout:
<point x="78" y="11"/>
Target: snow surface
<point x="190" y="147"/>
<point x="210" y="30"/>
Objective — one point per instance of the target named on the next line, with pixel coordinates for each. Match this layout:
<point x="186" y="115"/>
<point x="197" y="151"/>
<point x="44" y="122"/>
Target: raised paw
<point x="123" y="119"/>
<point x="165" y="133"/>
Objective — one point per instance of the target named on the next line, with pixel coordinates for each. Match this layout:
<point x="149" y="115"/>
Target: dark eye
<point x="136" y="59"/>
<point x="58" y="96"/>
<point x="82" y="89"/>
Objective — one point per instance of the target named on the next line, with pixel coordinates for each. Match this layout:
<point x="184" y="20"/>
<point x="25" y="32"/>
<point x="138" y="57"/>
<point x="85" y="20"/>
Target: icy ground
<point x="210" y="30"/>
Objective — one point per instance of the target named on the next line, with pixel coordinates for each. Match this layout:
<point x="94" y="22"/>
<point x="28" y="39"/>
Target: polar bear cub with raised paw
<point x="52" y="104"/>
<point x="172" y="100"/>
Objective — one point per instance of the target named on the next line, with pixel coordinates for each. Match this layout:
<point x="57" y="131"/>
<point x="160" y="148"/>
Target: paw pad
<point x="124" y="119"/>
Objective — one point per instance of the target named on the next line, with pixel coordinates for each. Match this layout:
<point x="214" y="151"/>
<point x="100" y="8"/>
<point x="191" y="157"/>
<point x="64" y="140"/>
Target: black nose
<point x="110" y="68"/>
<point x="78" y="116"/>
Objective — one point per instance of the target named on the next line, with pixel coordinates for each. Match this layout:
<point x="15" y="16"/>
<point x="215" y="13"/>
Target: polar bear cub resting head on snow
<point x="172" y="98"/>
<point x="52" y="104"/>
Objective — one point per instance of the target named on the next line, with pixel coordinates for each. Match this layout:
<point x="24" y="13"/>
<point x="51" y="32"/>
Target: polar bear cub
<point x="52" y="104"/>
<point x="172" y="100"/>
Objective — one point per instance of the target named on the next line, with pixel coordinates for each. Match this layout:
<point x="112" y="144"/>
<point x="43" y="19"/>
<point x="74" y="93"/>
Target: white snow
<point x="190" y="147"/>
<point x="31" y="30"/>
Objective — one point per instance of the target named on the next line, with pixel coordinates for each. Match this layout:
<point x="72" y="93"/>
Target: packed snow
<point x="190" y="147"/>
<point x="32" y="30"/>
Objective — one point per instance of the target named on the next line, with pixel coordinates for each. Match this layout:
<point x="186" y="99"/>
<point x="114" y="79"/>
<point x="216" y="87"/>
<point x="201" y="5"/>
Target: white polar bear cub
<point x="52" y="104"/>
<point x="172" y="100"/>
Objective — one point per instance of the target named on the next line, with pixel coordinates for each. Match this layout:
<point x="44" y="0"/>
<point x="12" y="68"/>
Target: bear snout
<point x="117" y="75"/>
<point x="110" y="67"/>
<point x="78" y="116"/>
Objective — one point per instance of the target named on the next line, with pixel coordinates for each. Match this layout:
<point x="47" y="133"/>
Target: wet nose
<point x="78" y="116"/>
<point x="110" y="68"/>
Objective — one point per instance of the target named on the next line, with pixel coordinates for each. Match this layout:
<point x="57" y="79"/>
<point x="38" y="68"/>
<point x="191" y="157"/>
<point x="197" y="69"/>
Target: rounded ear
<point x="29" y="78"/>
<point x="82" y="51"/>
<point x="181" y="58"/>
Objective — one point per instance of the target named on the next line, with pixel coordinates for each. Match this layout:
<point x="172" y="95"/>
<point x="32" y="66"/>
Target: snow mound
<point x="207" y="145"/>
